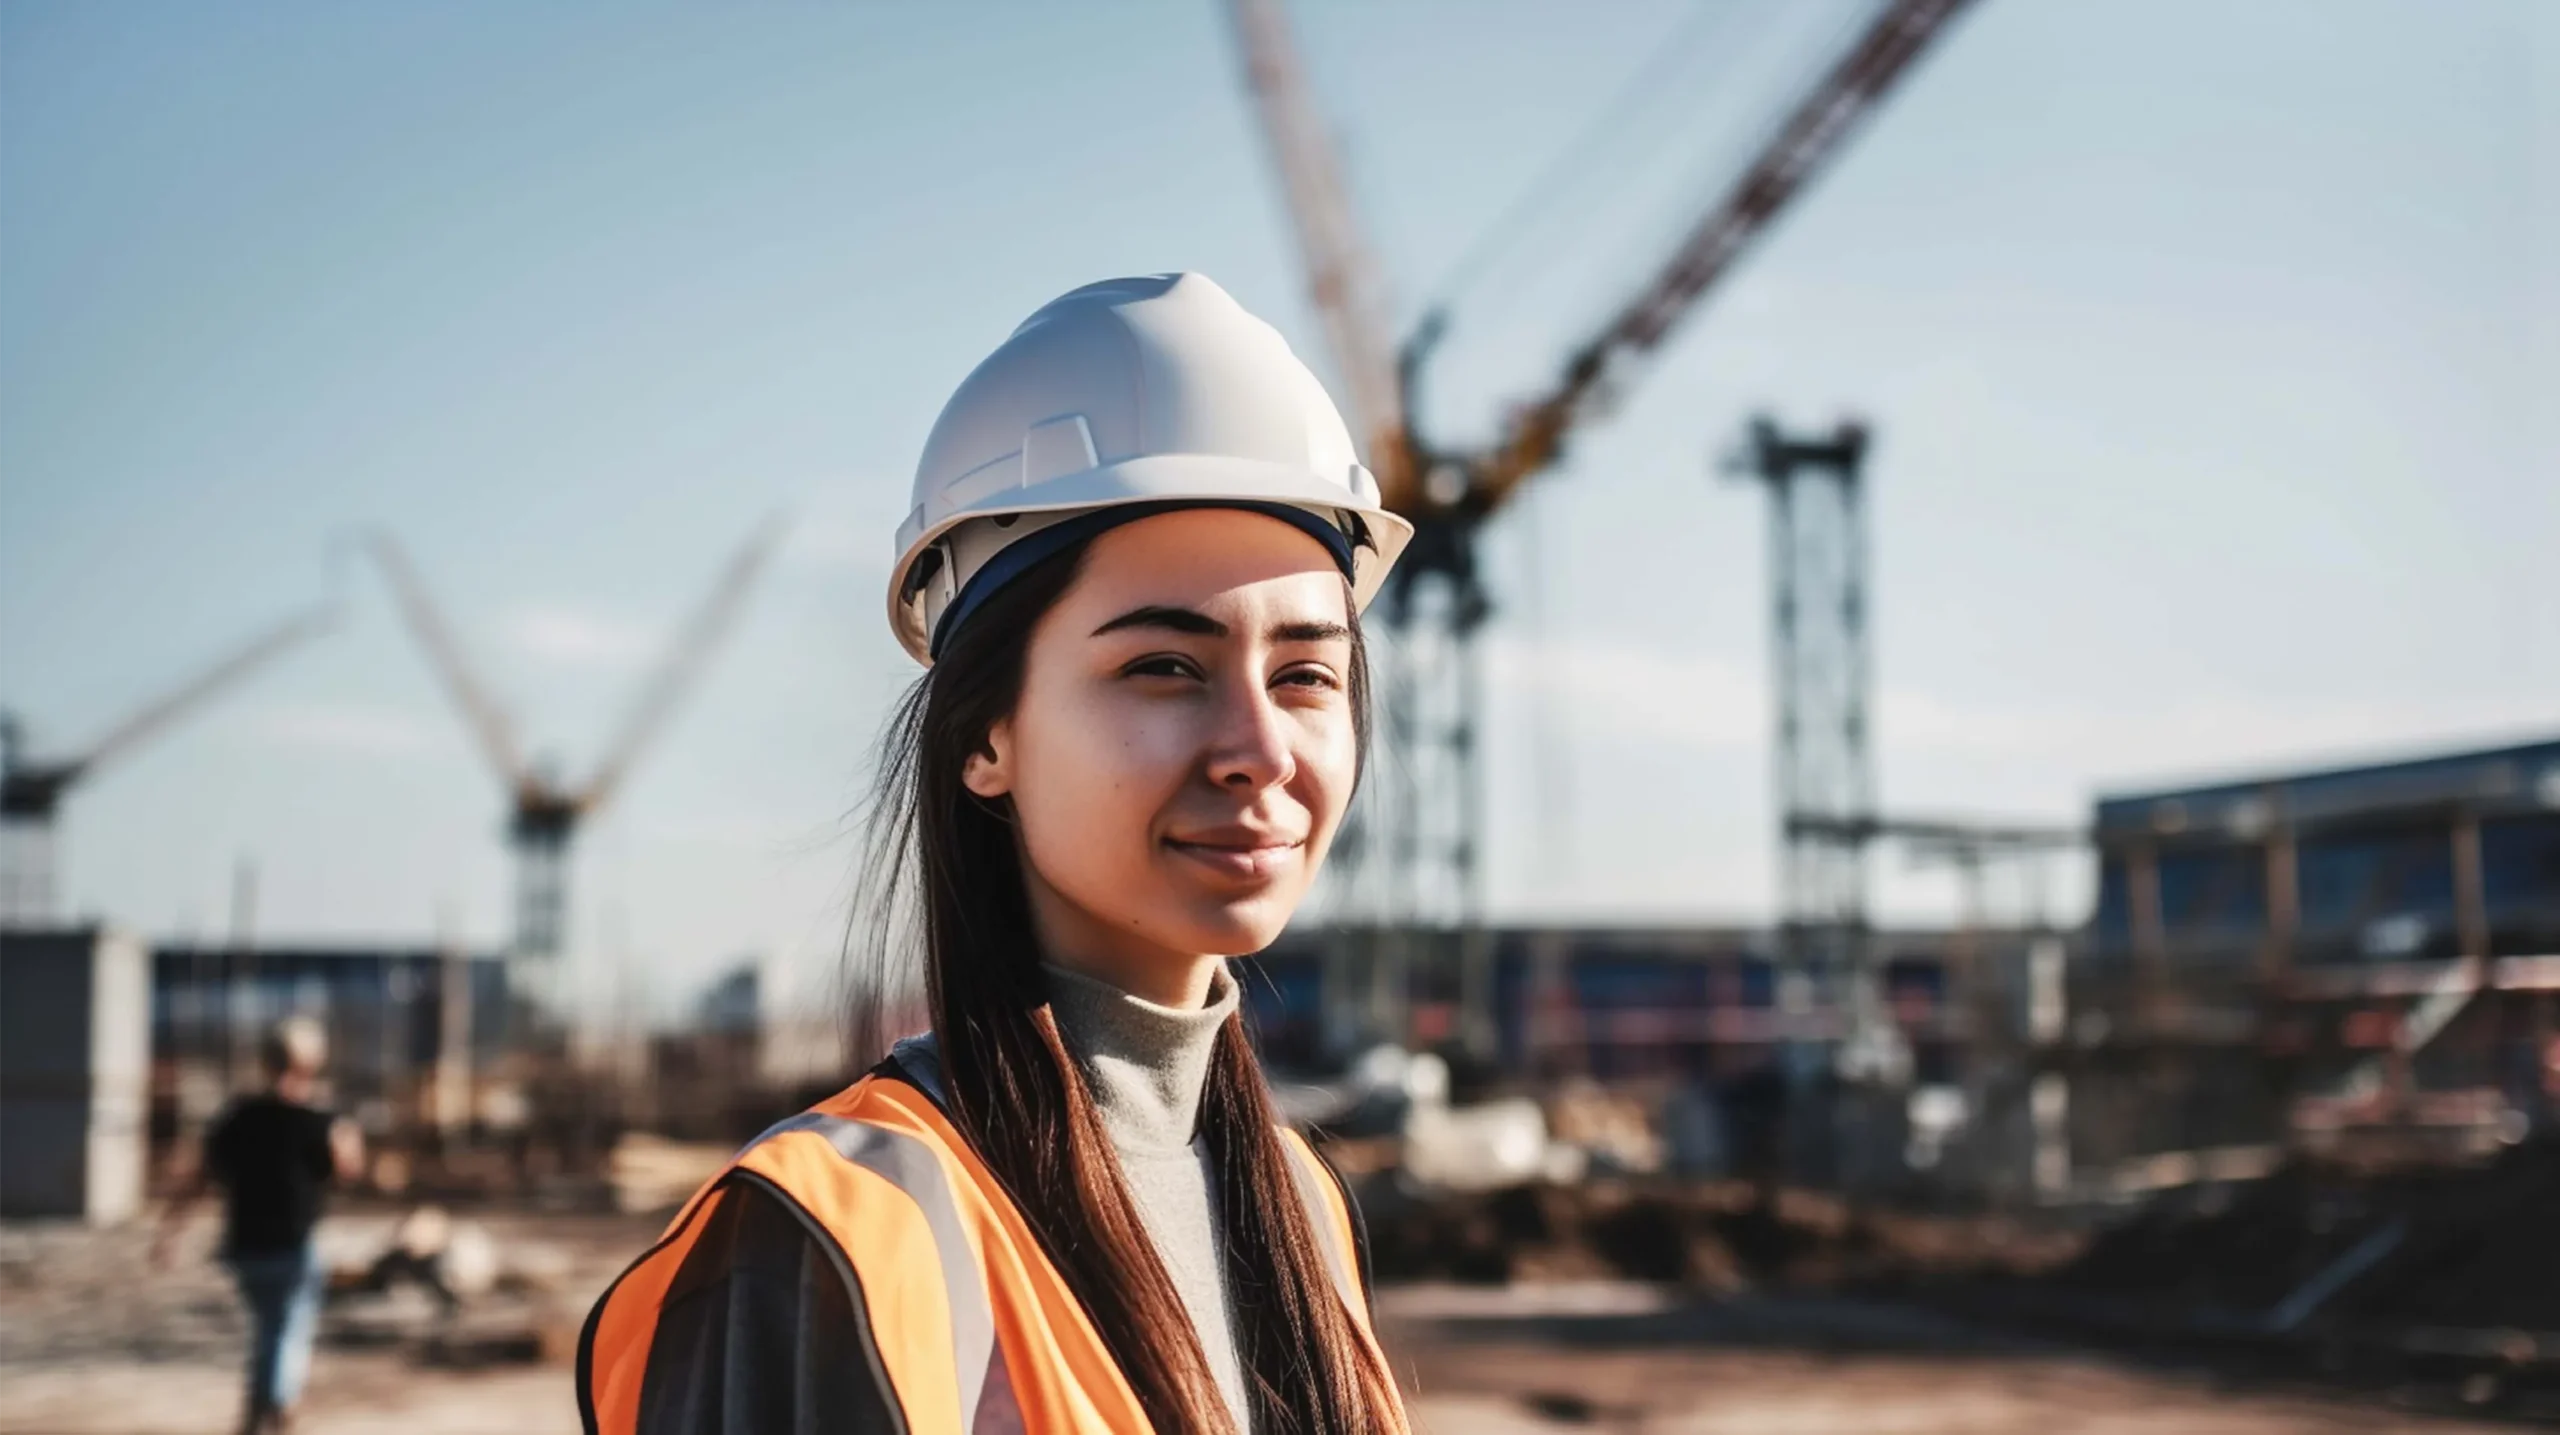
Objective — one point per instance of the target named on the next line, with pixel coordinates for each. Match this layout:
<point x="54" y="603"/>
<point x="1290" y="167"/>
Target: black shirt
<point x="273" y="1160"/>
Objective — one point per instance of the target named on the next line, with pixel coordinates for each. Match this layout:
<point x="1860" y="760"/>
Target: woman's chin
<point x="1215" y="912"/>
<point x="1238" y="927"/>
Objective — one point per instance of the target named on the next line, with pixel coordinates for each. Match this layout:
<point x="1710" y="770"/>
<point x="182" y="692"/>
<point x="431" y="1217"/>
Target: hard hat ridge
<point x="1110" y="294"/>
<point x="1156" y="391"/>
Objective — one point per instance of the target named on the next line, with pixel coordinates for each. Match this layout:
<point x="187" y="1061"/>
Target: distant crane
<point x="1423" y="863"/>
<point x="545" y="812"/>
<point x="32" y="789"/>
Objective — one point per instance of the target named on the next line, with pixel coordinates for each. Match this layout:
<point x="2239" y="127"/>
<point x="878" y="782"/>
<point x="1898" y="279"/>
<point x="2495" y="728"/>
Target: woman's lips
<point x="1238" y="857"/>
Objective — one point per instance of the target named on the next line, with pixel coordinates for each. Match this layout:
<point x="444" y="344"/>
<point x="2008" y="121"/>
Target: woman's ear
<point x="989" y="771"/>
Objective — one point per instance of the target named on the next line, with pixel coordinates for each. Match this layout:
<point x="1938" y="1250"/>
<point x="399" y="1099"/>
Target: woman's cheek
<point x="1328" y="767"/>
<point x="1147" y="758"/>
<point x="1104" y="783"/>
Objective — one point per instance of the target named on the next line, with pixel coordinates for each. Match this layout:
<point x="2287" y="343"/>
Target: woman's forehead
<point x="1207" y="556"/>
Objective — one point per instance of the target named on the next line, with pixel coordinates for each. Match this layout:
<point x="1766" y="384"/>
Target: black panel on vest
<point x="763" y="1331"/>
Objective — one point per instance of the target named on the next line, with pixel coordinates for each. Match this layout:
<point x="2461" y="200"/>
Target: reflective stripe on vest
<point x="976" y="1330"/>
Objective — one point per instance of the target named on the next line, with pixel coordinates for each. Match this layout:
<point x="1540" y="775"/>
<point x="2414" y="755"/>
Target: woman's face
<point x="1183" y="748"/>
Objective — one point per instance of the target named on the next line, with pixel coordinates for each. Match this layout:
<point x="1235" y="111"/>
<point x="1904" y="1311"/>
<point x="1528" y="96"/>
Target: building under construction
<point x="2359" y="959"/>
<point x="1615" y="1003"/>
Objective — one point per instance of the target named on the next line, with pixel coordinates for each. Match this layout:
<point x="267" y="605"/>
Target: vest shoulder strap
<point x="880" y="1192"/>
<point x="1337" y="1221"/>
<point x="1346" y="1242"/>
<point x="1049" y="1366"/>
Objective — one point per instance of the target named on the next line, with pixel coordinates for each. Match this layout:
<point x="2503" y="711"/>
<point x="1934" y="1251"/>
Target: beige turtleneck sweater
<point x="1146" y="1065"/>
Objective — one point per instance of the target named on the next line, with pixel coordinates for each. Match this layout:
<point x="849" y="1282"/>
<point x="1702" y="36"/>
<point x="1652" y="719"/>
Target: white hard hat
<point x="1127" y="394"/>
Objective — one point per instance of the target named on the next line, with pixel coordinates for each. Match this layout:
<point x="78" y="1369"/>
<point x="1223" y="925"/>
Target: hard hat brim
<point x="1152" y="478"/>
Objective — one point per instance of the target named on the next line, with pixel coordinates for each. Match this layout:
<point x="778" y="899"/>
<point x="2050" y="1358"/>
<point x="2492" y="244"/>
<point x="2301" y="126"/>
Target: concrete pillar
<point x="2049" y="1112"/>
<point x="450" y="1086"/>
<point x="75" y="1059"/>
<point x="2470" y="893"/>
<point x="2284" y="903"/>
<point x="2150" y="935"/>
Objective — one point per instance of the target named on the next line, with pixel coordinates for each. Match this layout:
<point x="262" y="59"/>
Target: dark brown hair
<point x="944" y="860"/>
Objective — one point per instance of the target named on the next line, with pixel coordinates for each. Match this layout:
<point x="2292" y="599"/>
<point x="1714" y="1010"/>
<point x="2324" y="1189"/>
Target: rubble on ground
<point x="650" y="1173"/>
<point x="2471" y="1248"/>
<point x="1718" y="1237"/>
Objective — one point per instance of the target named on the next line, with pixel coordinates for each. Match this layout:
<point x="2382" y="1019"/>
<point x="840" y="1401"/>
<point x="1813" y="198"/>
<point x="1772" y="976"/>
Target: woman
<point x="1134" y="570"/>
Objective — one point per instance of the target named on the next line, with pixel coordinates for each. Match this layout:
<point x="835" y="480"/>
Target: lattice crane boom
<point x="480" y="711"/>
<point x="206" y="685"/>
<point x="30" y="788"/>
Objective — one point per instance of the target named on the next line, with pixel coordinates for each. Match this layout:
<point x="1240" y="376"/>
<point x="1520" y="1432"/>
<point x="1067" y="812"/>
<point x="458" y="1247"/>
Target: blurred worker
<point x="274" y="1154"/>
<point x="1135" y="570"/>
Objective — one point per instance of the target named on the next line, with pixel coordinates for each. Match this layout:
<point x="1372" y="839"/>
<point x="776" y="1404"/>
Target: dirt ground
<point x="92" y="1341"/>
<point x="1624" y="1358"/>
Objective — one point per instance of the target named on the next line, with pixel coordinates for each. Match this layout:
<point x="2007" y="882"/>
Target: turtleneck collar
<point x="1145" y="1063"/>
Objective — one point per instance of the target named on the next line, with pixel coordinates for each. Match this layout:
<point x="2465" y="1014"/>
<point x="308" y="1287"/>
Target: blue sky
<point x="2211" y="350"/>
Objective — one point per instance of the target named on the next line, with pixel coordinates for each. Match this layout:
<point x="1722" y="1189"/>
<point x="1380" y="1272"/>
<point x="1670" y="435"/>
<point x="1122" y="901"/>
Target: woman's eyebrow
<point x="1311" y="630"/>
<point x="1192" y="621"/>
<point x="1156" y="615"/>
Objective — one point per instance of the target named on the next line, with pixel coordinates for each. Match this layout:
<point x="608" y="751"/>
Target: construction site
<point x="2221" y="1104"/>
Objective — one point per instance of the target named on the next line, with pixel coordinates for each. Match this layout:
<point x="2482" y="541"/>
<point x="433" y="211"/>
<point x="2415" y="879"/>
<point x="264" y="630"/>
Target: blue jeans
<point x="282" y="1291"/>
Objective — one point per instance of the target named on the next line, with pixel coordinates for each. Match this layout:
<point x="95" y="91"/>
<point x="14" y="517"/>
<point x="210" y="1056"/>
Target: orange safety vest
<point x="975" y="1328"/>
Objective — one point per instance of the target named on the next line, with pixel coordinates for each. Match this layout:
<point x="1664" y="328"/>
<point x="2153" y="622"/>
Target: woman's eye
<point x="1308" y="678"/>
<point x="1162" y="665"/>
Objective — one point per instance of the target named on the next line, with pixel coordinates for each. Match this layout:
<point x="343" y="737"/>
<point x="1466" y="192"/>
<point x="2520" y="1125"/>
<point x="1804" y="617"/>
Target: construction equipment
<point x="546" y="811"/>
<point x="32" y="789"/>
<point x="1415" y="861"/>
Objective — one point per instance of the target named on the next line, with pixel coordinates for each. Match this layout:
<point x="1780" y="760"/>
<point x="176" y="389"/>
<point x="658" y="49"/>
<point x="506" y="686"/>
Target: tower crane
<point x="545" y="811"/>
<point x="32" y="789"/>
<point x="1420" y="863"/>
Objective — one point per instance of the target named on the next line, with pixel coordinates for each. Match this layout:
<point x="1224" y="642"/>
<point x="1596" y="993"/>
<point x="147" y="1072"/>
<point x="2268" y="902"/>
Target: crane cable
<point x="1822" y="49"/>
<point x="1574" y="164"/>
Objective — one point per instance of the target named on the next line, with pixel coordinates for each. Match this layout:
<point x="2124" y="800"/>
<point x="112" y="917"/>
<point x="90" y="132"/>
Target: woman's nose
<point x="1250" y="748"/>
